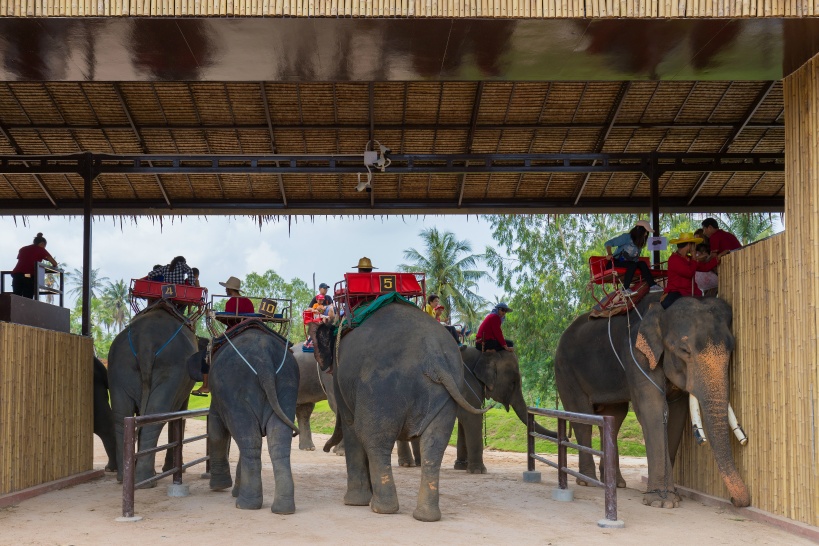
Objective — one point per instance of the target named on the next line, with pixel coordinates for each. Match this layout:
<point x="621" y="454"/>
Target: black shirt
<point x="327" y="300"/>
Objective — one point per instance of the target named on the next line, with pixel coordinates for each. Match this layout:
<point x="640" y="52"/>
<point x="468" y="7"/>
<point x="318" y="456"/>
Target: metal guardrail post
<point x="530" y="442"/>
<point x="609" y="446"/>
<point x="128" y="464"/>
<point x="562" y="455"/>
<point x="177" y="451"/>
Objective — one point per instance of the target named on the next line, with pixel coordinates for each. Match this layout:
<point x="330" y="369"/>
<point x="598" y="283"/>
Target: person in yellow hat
<point x="682" y="268"/>
<point x="365" y="265"/>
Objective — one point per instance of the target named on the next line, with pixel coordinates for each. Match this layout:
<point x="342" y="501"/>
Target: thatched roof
<point x="408" y="117"/>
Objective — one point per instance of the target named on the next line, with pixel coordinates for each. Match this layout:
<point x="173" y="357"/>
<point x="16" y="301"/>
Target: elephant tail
<point x="449" y="384"/>
<point x="267" y="379"/>
<point x="336" y="438"/>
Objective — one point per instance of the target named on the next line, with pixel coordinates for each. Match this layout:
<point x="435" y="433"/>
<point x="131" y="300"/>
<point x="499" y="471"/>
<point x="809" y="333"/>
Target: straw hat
<point x="686" y="237"/>
<point x="364" y="263"/>
<point x="233" y="283"/>
<point x="644" y="224"/>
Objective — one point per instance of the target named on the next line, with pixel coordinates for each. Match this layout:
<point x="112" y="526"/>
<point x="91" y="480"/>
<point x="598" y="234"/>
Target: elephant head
<point x="197" y="360"/>
<point x="692" y="341"/>
<point x="324" y="343"/>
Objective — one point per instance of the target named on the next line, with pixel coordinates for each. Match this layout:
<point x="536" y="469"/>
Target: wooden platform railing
<point x="176" y="420"/>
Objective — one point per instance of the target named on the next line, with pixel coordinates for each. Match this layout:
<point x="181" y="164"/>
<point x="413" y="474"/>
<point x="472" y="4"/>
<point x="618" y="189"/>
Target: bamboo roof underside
<point x="409" y="118"/>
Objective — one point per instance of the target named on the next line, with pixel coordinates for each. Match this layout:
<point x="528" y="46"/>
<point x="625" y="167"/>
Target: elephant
<point x="147" y="374"/>
<point x="664" y="357"/>
<point x="491" y="375"/>
<point x="254" y="383"/>
<point x="314" y="386"/>
<point x="398" y="376"/>
<point x="103" y="418"/>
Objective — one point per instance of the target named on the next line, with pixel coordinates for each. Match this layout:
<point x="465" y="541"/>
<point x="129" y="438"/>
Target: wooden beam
<point x="273" y="137"/>
<point x="473" y="123"/>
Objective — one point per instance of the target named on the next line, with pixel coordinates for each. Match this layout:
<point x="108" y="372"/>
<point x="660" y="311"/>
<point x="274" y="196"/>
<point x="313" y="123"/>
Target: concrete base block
<point x="562" y="495"/>
<point x="134" y="518"/>
<point x="178" y="490"/>
<point x="609" y="524"/>
<point x="531" y="476"/>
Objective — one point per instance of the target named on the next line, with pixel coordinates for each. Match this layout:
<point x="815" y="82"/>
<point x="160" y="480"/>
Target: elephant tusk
<point x="736" y="427"/>
<point x="696" y="419"/>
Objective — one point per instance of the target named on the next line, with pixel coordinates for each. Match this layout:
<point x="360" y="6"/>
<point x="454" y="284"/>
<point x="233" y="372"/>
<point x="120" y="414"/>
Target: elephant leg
<point x="461" y="457"/>
<point x="122" y="406"/>
<point x="433" y="444"/>
<point x="471" y="425"/>
<point x="339" y="449"/>
<point x="303" y="413"/>
<point x="172" y="438"/>
<point x="405" y="454"/>
<point x="278" y="445"/>
<point x="236" y="483"/>
<point x="218" y="445"/>
<point x="359" y="490"/>
<point x="619" y="412"/>
<point x="249" y="482"/>
<point x="677" y="421"/>
<point x="416" y="450"/>
<point x="651" y="412"/>
<point x="586" y="461"/>
<point x="385" y="497"/>
<point x="145" y="466"/>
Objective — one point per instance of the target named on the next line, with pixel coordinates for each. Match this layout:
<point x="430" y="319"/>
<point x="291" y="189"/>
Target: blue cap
<point x="324" y="285"/>
<point x="503" y="306"/>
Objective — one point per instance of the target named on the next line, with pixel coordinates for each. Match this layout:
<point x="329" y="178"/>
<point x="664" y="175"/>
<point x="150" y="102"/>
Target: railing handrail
<point x="608" y="451"/>
<point x="156" y="418"/>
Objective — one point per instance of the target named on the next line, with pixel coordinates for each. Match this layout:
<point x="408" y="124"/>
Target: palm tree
<point x="115" y="298"/>
<point x="451" y="272"/>
<point x="749" y="227"/>
<point x="75" y="280"/>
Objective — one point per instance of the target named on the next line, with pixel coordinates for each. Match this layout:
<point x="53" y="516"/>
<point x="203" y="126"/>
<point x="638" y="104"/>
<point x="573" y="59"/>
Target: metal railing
<point x="608" y="453"/>
<point x="42" y="287"/>
<point x="130" y="455"/>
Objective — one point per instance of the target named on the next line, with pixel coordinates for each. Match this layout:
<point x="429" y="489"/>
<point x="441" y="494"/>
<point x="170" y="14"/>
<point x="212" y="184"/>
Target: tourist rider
<point x="365" y="265"/>
<point x="236" y="303"/>
<point x="24" y="274"/>
<point x="176" y="272"/>
<point x="707" y="281"/>
<point x="681" y="270"/>
<point x="323" y="303"/>
<point x="720" y="242"/>
<point x="490" y="335"/>
<point x="432" y="302"/>
<point x="627" y="255"/>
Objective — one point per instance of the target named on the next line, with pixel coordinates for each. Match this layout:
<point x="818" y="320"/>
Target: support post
<point x="88" y="198"/>
<point x="609" y="444"/>
<point x="654" y="179"/>
<point x="128" y="464"/>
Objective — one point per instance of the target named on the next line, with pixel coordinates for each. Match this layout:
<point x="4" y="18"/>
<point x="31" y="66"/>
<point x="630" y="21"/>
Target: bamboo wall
<point x="46" y="406"/>
<point x="773" y="287"/>
<point x="412" y="8"/>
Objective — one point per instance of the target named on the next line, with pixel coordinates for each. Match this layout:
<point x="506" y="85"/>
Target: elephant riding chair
<point x="655" y="363"/>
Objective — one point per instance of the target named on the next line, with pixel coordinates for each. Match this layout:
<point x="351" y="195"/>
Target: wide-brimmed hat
<point x="644" y="224"/>
<point x="686" y="237"/>
<point x="233" y="283"/>
<point x="324" y="285"/>
<point x="364" y="263"/>
<point x="503" y="306"/>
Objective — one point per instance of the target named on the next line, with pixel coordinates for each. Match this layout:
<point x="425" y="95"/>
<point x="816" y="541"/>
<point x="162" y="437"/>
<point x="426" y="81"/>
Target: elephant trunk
<point x="519" y="405"/>
<point x="712" y="391"/>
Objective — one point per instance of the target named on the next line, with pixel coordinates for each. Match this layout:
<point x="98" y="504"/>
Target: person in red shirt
<point x="490" y="336"/>
<point x="720" y="241"/>
<point x="236" y="304"/>
<point x="682" y="268"/>
<point x="24" y="274"/>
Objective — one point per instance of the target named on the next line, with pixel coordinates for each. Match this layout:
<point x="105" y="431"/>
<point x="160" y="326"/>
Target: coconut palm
<point x="75" y="281"/>
<point x="749" y="227"/>
<point x="115" y="298"/>
<point x="451" y="271"/>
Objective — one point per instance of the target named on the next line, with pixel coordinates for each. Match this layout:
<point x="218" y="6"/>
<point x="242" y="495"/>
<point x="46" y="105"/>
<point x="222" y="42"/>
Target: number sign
<point x="168" y="291"/>
<point x="268" y="307"/>
<point x="386" y="283"/>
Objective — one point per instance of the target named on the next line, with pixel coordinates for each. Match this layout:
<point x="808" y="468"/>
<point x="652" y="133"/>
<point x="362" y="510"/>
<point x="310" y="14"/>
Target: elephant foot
<point x="169" y="466"/>
<point x="339" y="450"/>
<point x="119" y="477"/>
<point x="357" y="498"/>
<point x="655" y="499"/>
<point x="147" y="485"/>
<point x="582" y="482"/>
<point x="476" y="469"/>
<point x="621" y="483"/>
<point x="244" y="503"/>
<point x="308" y="448"/>
<point x="111" y="467"/>
<point x="427" y="513"/>
<point x="461" y="465"/>
<point x="220" y="482"/>
<point x="389" y="506"/>
<point x="283" y="506"/>
<point x="405" y="463"/>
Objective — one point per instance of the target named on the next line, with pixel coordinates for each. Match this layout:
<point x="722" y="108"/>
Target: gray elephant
<point x="147" y="374"/>
<point x="398" y="376"/>
<point x="491" y="375"/>
<point x="314" y="386"/>
<point x="254" y="382"/>
<point x="683" y="349"/>
<point x="103" y="418"/>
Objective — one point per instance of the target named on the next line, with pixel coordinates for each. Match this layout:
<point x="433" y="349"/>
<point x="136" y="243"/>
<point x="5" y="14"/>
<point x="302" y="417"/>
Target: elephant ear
<point x="324" y="343"/>
<point x="194" y="364"/>
<point x="650" y="335"/>
<point x="486" y="370"/>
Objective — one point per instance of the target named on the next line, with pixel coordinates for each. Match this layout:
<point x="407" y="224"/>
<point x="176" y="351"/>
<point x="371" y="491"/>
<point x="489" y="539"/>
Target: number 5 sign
<point x="386" y="283"/>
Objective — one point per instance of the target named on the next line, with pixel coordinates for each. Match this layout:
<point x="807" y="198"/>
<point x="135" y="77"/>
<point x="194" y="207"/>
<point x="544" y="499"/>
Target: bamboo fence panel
<point x="46" y="406"/>
<point x="773" y="287"/>
<point x="506" y="9"/>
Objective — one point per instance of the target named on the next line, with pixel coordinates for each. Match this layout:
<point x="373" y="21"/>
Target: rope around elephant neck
<point x="284" y="356"/>
<point x="631" y="350"/>
<point x="481" y="399"/>
<point x="318" y="371"/>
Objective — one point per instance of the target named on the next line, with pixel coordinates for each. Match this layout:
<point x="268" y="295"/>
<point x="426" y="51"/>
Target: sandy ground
<point x="493" y="508"/>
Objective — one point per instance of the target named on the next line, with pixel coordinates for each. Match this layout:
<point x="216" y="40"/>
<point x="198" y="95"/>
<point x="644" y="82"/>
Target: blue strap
<point x="166" y="343"/>
<point x="130" y="341"/>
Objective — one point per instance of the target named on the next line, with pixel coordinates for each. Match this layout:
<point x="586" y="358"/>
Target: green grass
<point x="505" y="432"/>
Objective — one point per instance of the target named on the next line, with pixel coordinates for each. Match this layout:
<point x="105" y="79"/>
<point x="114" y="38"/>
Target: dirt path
<point x="493" y="508"/>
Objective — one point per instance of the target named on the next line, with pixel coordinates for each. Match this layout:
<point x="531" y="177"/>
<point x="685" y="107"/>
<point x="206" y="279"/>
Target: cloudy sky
<point x="221" y="246"/>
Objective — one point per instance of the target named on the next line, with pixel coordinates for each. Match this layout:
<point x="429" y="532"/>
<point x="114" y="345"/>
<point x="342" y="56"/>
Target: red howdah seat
<point x="601" y="275"/>
<point x="185" y="293"/>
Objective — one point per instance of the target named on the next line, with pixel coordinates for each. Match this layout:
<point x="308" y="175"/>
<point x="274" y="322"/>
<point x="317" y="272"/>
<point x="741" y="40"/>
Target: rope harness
<point x="284" y="356"/>
<point x="156" y="354"/>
